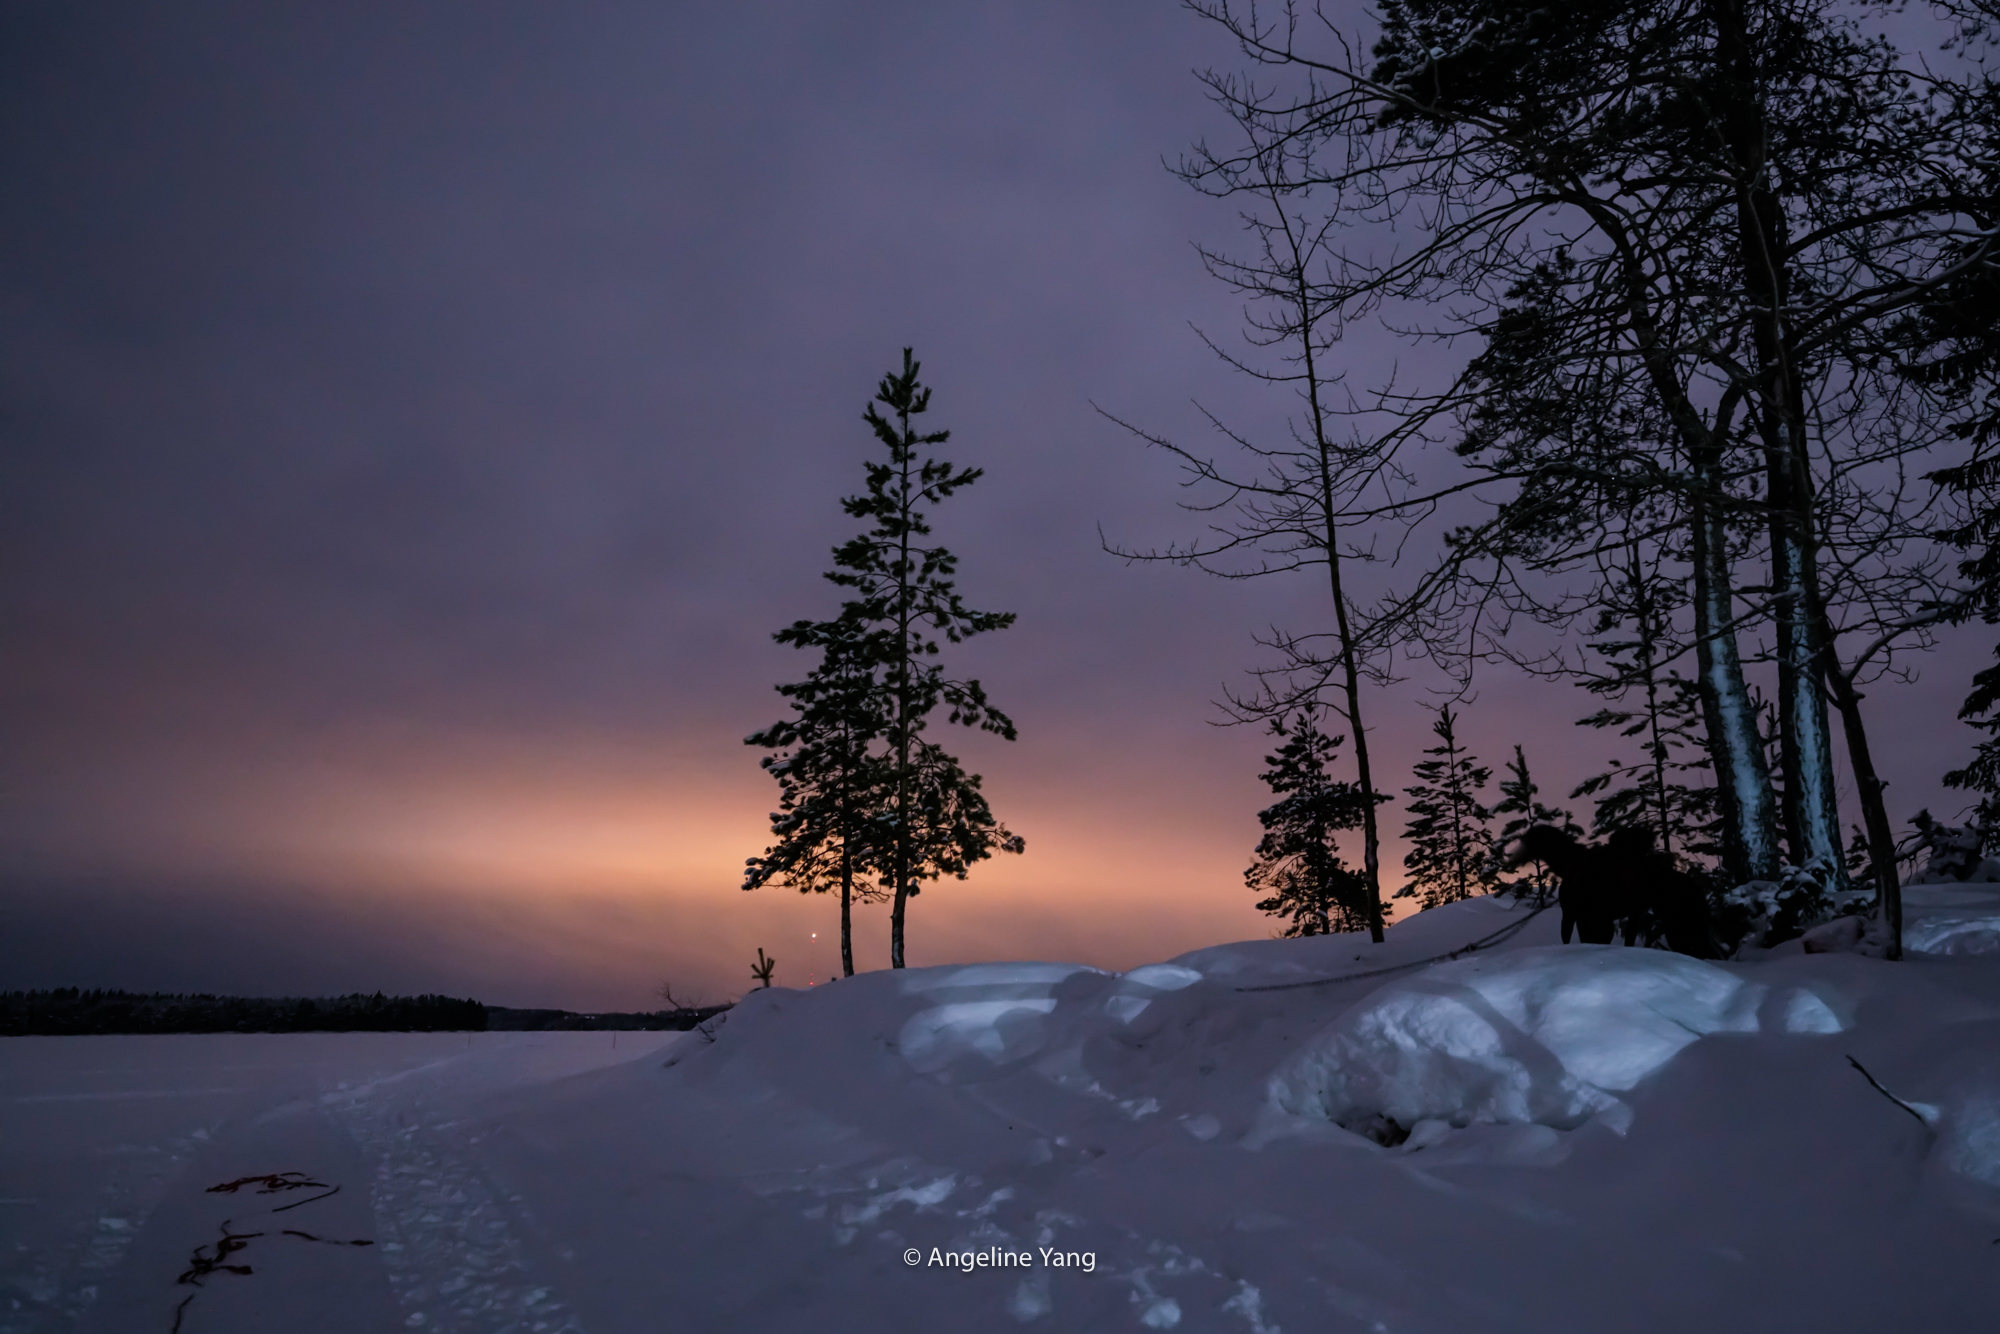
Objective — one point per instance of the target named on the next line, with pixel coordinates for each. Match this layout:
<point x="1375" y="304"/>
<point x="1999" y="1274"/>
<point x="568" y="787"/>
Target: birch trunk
<point x="1735" y="751"/>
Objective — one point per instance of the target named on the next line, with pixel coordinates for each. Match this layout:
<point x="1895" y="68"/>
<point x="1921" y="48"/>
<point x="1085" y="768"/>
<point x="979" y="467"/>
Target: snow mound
<point x="994" y="1012"/>
<point x="1951" y="917"/>
<point x="1965" y="931"/>
<point x="1969" y="1134"/>
<point x="1416" y="939"/>
<point x="1546" y="1036"/>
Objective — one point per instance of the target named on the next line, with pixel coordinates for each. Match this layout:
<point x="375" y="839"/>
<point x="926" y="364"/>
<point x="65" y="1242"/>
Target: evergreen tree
<point x="1298" y="861"/>
<point x="932" y="819"/>
<point x="1982" y="774"/>
<point x="1449" y="855"/>
<point x="831" y="787"/>
<point x="1518" y="799"/>
<point x="1649" y="794"/>
<point x="1635" y="633"/>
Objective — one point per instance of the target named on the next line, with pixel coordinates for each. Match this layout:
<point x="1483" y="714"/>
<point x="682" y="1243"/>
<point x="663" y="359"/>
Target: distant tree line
<point x="73" y="1011"/>
<point x="501" y="1019"/>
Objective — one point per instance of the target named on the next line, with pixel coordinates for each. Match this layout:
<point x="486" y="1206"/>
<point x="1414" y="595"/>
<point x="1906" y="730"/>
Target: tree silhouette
<point x="1450" y="852"/>
<point x="871" y="792"/>
<point x="1298" y="861"/>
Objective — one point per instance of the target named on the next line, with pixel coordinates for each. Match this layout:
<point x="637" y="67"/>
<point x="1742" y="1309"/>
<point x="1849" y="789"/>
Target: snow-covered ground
<point x="1530" y="1137"/>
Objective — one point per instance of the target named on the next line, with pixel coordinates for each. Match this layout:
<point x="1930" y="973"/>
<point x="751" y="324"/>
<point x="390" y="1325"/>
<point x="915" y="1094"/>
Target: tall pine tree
<point x="1653" y="793"/>
<point x="934" y="819"/>
<point x="1449" y="857"/>
<point x="1298" y="861"/>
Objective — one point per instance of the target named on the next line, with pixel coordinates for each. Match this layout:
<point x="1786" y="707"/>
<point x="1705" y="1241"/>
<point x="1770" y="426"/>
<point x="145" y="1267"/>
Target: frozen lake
<point x="108" y="1146"/>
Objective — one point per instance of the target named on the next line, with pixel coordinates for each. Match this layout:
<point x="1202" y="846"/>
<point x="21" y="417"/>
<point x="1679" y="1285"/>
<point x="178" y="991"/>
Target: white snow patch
<point x="1001" y="1031"/>
<point x="1802" y="1011"/>
<point x="1967" y="931"/>
<point x="1969" y="1139"/>
<point x="1202" y="1125"/>
<point x="1249" y="1303"/>
<point x="992" y="1010"/>
<point x="1030" y="1300"/>
<point x="1024" y="978"/>
<point x="1161" y="977"/>
<point x="1543" y="1036"/>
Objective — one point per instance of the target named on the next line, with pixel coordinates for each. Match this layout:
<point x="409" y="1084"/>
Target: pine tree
<point x="831" y="788"/>
<point x="1449" y="855"/>
<point x="1982" y="774"/>
<point x="1649" y="794"/>
<point x="1634" y="631"/>
<point x="1298" y="862"/>
<point x="1517" y="799"/>
<point x="933" y="818"/>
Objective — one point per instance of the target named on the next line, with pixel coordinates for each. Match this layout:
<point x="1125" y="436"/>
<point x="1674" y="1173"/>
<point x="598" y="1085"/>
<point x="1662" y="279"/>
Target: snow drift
<point x="1542" y="1036"/>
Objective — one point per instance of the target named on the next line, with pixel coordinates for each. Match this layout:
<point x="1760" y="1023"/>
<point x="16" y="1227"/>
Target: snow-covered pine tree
<point x="1298" y="861"/>
<point x="1449" y="857"/>
<point x="1517" y="799"/>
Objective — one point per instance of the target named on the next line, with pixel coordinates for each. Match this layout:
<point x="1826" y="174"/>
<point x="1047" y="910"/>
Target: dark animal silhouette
<point x="1623" y="881"/>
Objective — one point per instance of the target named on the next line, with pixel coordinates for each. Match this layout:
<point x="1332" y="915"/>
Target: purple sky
<point x="418" y="418"/>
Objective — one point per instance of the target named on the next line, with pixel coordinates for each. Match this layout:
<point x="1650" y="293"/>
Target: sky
<point x="415" y="421"/>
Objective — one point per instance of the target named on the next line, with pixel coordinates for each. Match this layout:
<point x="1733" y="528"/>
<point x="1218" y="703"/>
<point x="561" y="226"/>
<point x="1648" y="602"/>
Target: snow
<point x="1540" y="1036"/>
<point x="1961" y="918"/>
<point x="1584" y="1138"/>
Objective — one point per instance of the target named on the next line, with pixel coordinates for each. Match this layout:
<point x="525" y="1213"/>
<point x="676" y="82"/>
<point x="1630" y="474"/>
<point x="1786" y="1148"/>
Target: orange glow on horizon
<point x="599" y="873"/>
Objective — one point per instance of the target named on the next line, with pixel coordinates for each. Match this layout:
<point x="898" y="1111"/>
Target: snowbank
<point x="1542" y="1036"/>
<point x="1951" y="918"/>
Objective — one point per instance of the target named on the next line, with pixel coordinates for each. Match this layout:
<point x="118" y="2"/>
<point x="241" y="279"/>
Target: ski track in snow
<point x="454" y="1259"/>
<point x="447" y="1239"/>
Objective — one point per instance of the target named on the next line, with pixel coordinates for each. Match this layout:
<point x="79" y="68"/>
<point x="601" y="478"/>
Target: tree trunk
<point x="903" y="704"/>
<point x="1646" y="614"/>
<point x="1812" y="821"/>
<point x="1735" y="750"/>
<point x="1459" y="852"/>
<point x="1874" y="814"/>
<point x="1371" y="843"/>
<point x="1371" y="847"/>
<point x="1736" y="753"/>
<point x="1812" y="814"/>
<point x="846" y="910"/>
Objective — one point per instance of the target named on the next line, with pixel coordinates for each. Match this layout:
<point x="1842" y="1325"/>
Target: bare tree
<point x="1287" y="509"/>
<point x="1710" y="215"/>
